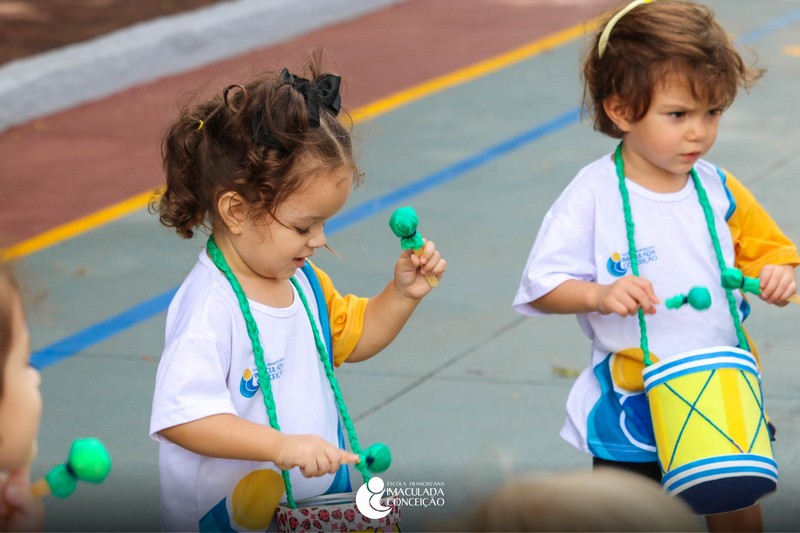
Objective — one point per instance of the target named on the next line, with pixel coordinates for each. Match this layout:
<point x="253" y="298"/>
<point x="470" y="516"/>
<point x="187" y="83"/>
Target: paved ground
<point x="470" y="393"/>
<point x="28" y="28"/>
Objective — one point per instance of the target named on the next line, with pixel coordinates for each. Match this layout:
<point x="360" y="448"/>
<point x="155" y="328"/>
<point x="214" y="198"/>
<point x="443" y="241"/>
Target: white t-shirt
<point x="208" y="368"/>
<point x="583" y="237"/>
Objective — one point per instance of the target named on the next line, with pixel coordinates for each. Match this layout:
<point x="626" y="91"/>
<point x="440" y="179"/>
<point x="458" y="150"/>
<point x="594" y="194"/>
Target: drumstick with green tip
<point x="88" y="461"/>
<point x="732" y="278"/>
<point x="699" y="298"/>
<point x="403" y="223"/>
<point x="377" y="457"/>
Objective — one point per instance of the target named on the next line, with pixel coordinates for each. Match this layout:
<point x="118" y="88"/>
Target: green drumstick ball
<point x="732" y="278"/>
<point x="88" y="461"/>
<point x="377" y="457"/>
<point x="403" y="224"/>
<point x="699" y="298"/>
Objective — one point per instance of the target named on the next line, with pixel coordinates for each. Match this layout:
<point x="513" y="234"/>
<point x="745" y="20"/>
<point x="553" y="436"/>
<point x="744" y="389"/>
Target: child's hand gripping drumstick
<point x="403" y="223"/>
<point x="257" y="495"/>
<point x="733" y="278"/>
<point x="88" y="461"/>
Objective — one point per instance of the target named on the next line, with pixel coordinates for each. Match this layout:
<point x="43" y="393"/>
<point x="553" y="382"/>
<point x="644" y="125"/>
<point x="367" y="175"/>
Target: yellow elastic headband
<point x="601" y="46"/>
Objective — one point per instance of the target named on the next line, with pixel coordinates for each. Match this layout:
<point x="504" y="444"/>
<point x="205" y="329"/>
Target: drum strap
<point x="712" y="230"/>
<point x="218" y="258"/>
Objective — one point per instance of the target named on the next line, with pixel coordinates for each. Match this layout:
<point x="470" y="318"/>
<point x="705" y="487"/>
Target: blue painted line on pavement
<point x="770" y="27"/>
<point x="102" y="330"/>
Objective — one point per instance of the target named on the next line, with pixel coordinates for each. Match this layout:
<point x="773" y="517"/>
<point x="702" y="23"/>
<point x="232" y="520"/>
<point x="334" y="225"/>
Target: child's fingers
<point x="23" y="510"/>
<point x="627" y="295"/>
<point x="787" y="289"/>
<point x="440" y="268"/>
<point x="17" y="488"/>
<point x="349" y="458"/>
<point x="428" y="250"/>
<point x="316" y="467"/>
<point x="768" y="285"/>
<point x="428" y="265"/>
<point x="641" y="292"/>
<point x="624" y="304"/>
<point x="328" y="462"/>
<point x="777" y="288"/>
<point x="782" y="294"/>
<point x="618" y="308"/>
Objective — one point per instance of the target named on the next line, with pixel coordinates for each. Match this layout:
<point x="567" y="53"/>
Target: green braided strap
<point x="218" y="259"/>
<point x="629" y="230"/>
<point x="337" y="392"/>
<point x="712" y="230"/>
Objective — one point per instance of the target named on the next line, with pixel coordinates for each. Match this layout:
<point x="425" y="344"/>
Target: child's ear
<point x="232" y="211"/>
<point x="618" y="113"/>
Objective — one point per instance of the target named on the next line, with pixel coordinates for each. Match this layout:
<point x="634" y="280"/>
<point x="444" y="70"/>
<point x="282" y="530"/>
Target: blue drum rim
<point x="738" y="465"/>
<point x="698" y="361"/>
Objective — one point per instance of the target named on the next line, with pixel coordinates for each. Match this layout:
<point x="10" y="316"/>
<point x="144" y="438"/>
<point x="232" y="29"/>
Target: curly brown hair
<point x="653" y="42"/>
<point x="259" y="140"/>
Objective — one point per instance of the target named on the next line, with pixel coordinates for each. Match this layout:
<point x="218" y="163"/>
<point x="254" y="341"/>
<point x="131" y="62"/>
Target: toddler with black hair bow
<point x="244" y="388"/>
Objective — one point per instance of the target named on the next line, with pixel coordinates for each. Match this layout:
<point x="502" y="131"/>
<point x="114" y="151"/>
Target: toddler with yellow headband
<point x="658" y="76"/>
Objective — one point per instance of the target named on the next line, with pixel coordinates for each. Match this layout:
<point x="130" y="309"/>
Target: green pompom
<point x="403" y="223"/>
<point x="377" y="457"/>
<point x="90" y="461"/>
<point x="699" y="298"/>
<point x="732" y="278"/>
<point x="62" y="482"/>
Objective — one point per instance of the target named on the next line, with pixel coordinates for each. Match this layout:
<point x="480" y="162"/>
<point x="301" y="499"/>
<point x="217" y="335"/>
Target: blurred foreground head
<point x="590" y="500"/>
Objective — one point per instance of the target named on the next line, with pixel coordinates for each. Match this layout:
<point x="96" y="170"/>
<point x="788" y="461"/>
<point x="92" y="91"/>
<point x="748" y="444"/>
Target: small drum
<point x="336" y="512"/>
<point x="712" y="438"/>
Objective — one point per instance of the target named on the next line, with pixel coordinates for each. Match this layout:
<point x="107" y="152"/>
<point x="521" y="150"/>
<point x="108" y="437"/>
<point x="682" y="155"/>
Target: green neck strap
<point x="218" y="259"/>
<point x="712" y="230"/>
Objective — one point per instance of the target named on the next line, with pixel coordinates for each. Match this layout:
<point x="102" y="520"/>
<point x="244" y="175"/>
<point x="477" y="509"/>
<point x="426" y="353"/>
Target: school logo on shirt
<point x="249" y="385"/>
<point x="618" y="264"/>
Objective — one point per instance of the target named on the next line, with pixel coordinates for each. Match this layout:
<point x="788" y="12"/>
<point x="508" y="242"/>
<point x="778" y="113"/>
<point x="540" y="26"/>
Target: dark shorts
<point x="651" y="470"/>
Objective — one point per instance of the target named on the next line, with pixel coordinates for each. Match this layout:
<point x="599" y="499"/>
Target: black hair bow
<point x="324" y="92"/>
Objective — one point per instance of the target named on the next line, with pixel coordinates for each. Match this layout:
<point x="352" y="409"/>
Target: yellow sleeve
<point x="346" y="315"/>
<point x="757" y="239"/>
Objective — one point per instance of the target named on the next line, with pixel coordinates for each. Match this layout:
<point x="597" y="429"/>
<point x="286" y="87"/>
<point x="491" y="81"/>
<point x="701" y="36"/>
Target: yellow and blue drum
<point x="711" y="433"/>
